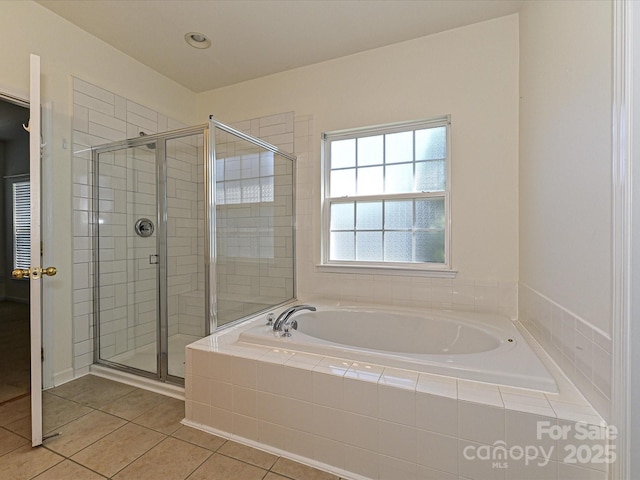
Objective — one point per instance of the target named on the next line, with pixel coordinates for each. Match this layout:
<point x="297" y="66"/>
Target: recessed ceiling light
<point x="197" y="40"/>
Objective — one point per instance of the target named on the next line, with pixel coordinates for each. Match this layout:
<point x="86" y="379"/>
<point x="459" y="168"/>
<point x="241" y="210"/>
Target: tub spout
<point x="283" y="322"/>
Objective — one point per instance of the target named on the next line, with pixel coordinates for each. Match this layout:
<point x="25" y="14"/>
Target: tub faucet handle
<point x="286" y="332"/>
<point x="270" y="319"/>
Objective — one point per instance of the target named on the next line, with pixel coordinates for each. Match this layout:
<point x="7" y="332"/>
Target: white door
<point x="35" y="272"/>
<point x="36" y="291"/>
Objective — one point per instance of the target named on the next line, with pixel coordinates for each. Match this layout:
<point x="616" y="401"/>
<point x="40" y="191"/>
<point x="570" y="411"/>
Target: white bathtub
<point x="467" y="345"/>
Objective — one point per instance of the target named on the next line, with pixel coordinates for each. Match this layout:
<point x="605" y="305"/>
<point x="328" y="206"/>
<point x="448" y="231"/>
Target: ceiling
<point x="254" y="38"/>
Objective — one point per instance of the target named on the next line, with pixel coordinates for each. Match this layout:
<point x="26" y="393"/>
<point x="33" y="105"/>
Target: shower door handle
<point x="153" y="259"/>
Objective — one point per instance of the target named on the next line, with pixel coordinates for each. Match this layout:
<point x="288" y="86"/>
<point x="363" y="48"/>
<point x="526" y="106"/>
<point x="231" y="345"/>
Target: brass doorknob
<point x="34" y="273"/>
<point x="19" y="273"/>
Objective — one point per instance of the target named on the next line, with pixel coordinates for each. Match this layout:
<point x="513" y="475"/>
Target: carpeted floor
<point x="14" y="350"/>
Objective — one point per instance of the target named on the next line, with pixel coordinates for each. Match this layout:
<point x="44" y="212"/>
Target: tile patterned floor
<point x="115" y="431"/>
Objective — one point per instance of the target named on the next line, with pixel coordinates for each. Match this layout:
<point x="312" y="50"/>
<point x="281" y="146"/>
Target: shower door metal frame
<point x="211" y="218"/>
<point x="160" y="140"/>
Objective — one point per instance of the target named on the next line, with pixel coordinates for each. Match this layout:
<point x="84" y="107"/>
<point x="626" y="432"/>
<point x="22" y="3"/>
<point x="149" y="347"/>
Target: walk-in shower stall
<point x="193" y="230"/>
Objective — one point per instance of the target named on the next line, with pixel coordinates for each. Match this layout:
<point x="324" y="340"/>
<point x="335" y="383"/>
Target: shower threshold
<point x="144" y="358"/>
<point x="167" y="389"/>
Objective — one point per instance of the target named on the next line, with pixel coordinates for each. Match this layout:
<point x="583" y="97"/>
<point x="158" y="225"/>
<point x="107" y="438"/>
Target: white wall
<point x="566" y="189"/>
<point x="470" y="73"/>
<point x="565" y="155"/>
<point x="65" y="50"/>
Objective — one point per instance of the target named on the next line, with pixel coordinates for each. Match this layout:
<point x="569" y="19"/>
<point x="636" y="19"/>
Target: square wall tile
<point x="328" y="390"/>
<point x="480" y="423"/>
<point x="523" y="429"/>
<point x="397" y="405"/>
<point x="244" y="401"/>
<point x="362" y="462"/>
<point x="398" y="441"/>
<point x="472" y="465"/>
<point x="244" y="372"/>
<point x="437" y="451"/>
<point x="392" y="468"/>
<point x="360" y="431"/>
<point x="437" y="414"/>
<point x="361" y="397"/>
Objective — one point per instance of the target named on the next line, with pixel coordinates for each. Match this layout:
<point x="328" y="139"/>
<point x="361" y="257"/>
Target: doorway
<point x="14" y="250"/>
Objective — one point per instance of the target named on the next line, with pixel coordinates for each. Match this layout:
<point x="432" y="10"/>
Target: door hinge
<point x="42" y="354"/>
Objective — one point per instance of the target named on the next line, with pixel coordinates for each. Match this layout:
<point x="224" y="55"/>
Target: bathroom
<point x="534" y="257"/>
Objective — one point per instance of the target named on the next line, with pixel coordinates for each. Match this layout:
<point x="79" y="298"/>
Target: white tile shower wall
<point x="461" y="293"/>
<point x="127" y="191"/>
<point x="583" y="352"/>
<point x="185" y="236"/>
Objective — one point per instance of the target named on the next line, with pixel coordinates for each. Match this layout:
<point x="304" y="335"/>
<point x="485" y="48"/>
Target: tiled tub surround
<point x="366" y="421"/>
<point x="583" y="352"/>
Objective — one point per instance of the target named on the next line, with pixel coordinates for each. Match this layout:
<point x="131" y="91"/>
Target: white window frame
<point x="407" y="268"/>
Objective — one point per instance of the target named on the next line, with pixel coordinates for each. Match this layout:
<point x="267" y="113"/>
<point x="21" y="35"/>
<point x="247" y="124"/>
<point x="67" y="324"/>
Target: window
<point x="246" y="178"/>
<point x="21" y="225"/>
<point x="386" y="196"/>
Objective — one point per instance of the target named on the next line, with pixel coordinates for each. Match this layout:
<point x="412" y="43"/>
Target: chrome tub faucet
<point x="283" y="322"/>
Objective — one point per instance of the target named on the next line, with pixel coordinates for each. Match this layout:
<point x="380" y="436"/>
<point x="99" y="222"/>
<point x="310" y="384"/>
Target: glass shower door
<point x="126" y="245"/>
<point x="254" y="226"/>
<point x="185" y="247"/>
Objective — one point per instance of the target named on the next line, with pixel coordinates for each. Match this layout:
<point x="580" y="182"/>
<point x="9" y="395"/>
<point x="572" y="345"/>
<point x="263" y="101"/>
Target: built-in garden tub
<point x="373" y="393"/>
<point x="473" y="346"/>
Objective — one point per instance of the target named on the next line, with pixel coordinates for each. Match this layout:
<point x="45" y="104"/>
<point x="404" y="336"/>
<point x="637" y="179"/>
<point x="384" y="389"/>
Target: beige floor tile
<point x="74" y="388"/>
<point x="164" y="417"/>
<point x="247" y="454"/>
<point x="58" y="411"/>
<point x="171" y="459"/>
<point x="21" y="427"/>
<point x="68" y="470"/>
<point x="27" y="462"/>
<point x="15" y="410"/>
<point x="10" y="392"/>
<point x="200" y="438"/>
<point x="115" y="451"/>
<point x="275" y="476"/>
<point x="219" y="467"/>
<point x="82" y="432"/>
<point x="133" y="404"/>
<point x="10" y="441"/>
<point x="92" y="391"/>
<point x="298" y="471"/>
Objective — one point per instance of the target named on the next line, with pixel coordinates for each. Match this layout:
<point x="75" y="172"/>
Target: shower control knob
<point x="144" y="227"/>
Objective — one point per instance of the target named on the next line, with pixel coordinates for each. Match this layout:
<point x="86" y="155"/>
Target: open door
<point x="35" y="271"/>
<point x="35" y="300"/>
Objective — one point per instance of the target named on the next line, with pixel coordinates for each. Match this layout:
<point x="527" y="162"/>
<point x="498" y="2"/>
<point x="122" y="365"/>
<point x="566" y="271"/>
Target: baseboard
<point x="63" y="377"/>
<point x="276" y="451"/>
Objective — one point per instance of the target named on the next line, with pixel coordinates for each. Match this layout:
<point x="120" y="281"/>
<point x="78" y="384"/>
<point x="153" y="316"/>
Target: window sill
<point x="388" y="270"/>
